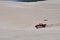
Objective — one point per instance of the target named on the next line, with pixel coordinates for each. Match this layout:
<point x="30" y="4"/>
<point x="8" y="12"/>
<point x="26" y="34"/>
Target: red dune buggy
<point x="40" y="25"/>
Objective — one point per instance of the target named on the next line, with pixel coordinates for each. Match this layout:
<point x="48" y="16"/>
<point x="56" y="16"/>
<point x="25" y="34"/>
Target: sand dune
<point x="17" y="21"/>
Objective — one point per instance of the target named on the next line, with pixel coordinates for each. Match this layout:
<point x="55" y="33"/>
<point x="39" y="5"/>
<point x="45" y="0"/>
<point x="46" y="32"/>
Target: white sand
<point x="17" y="21"/>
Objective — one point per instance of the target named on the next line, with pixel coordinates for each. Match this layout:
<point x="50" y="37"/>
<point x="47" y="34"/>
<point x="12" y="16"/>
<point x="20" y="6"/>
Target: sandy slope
<point x="17" y="21"/>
